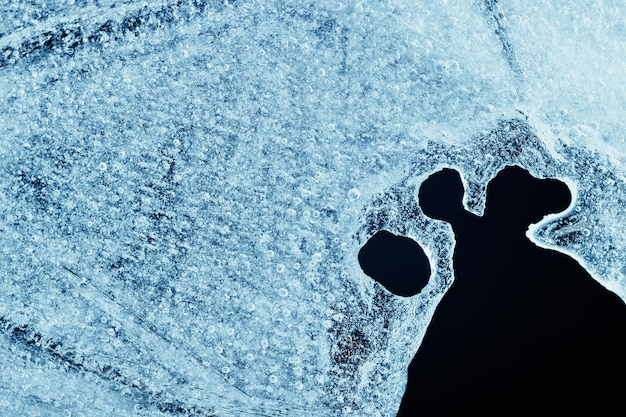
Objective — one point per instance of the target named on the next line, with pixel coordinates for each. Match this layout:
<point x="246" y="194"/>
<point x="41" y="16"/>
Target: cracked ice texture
<point x="185" y="186"/>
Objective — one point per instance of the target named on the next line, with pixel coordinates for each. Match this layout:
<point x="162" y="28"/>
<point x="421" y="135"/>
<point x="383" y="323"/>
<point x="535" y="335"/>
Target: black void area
<point x="522" y="330"/>
<point x="398" y="263"/>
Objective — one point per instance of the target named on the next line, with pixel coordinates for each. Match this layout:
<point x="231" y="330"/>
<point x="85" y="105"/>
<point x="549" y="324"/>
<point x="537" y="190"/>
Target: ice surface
<point x="185" y="186"/>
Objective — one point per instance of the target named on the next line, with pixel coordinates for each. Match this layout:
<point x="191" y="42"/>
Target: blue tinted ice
<point x="184" y="187"/>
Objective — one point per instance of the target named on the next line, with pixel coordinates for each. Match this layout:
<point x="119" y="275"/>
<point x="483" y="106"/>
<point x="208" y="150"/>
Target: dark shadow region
<point x="522" y="329"/>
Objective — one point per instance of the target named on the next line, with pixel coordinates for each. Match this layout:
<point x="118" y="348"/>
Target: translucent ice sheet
<point x="184" y="187"/>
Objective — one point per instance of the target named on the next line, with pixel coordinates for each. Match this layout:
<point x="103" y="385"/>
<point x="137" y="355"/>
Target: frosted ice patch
<point x="204" y="168"/>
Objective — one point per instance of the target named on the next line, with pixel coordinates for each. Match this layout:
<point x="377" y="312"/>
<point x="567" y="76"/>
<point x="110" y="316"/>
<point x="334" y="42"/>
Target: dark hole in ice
<point x="398" y="263"/>
<point x="522" y="329"/>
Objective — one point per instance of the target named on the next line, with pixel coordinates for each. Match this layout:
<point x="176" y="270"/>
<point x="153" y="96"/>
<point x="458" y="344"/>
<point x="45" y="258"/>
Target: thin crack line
<point x="152" y="329"/>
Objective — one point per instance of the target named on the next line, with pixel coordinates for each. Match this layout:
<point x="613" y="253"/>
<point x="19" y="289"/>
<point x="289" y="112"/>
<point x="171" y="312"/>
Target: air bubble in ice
<point x="353" y="194"/>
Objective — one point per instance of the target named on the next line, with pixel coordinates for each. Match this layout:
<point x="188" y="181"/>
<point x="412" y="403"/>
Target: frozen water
<point x="185" y="186"/>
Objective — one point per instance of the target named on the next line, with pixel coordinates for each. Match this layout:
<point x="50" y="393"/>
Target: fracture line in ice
<point x="225" y="397"/>
<point x="494" y="11"/>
